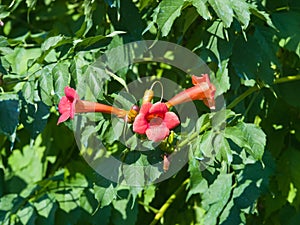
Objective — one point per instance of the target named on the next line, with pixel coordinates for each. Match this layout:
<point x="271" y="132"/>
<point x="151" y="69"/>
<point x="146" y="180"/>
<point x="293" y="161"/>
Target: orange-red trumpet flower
<point x="203" y="89"/>
<point x="71" y="104"/>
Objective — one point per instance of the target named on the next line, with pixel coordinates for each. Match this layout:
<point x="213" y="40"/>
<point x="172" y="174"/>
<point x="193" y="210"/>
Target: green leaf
<point x="94" y="80"/>
<point x="201" y="6"/>
<point x="124" y="100"/>
<point x="7" y="205"/>
<point x="254" y="61"/>
<point x="46" y="88"/>
<point x="287" y="34"/>
<point x="197" y="185"/>
<point x="61" y="78"/>
<point x="262" y="15"/>
<point x="68" y="196"/>
<point x="206" y="144"/>
<point x="78" y="66"/>
<point x="27" y="215"/>
<point x="19" y="59"/>
<point x="4" y="12"/>
<point x="133" y="169"/>
<point x="123" y="213"/>
<point x="88" y="132"/>
<point x="289" y="92"/>
<point x="67" y="199"/>
<point x="256" y="139"/>
<point x="122" y="20"/>
<point x="28" y="91"/>
<point x="248" y="136"/>
<point x="27" y="164"/>
<point x="290" y="167"/>
<point x="216" y="197"/>
<point x="221" y="80"/>
<point x="3" y="41"/>
<point x="7" y="202"/>
<point x="10" y="110"/>
<point x="34" y="117"/>
<point x="237" y="136"/>
<point x="168" y="11"/>
<point x="252" y="182"/>
<point x="88" y="19"/>
<point x="223" y="10"/>
<point x="105" y="195"/>
<point x="222" y="147"/>
<point x="87" y="42"/>
<point x="46" y="208"/>
<point x="149" y="194"/>
<point x="52" y="43"/>
<point x="241" y="9"/>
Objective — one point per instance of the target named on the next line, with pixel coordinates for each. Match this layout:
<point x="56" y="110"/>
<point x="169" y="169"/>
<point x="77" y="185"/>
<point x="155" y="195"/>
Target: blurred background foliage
<point x="252" y="48"/>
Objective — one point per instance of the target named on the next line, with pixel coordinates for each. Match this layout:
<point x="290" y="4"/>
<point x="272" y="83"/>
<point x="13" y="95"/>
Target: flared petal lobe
<point x="140" y="124"/>
<point x="155" y="121"/>
<point x="157" y="132"/>
<point x="66" y="105"/>
<point x="70" y="93"/>
<point x="158" y="108"/>
<point x="171" y="120"/>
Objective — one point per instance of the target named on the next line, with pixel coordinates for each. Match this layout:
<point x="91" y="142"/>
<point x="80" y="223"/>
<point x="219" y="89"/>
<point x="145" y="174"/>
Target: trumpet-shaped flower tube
<point x="155" y="121"/>
<point x="71" y="104"/>
<point x="203" y="89"/>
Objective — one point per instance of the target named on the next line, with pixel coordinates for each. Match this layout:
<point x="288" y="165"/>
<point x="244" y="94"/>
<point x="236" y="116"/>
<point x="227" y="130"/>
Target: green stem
<point x="243" y="96"/>
<point x="260" y="86"/>
<point x="170" y="200"/>
<point x="149" y="207"/>
<point x="194" y="135"/>
<point x="287" y="79"/>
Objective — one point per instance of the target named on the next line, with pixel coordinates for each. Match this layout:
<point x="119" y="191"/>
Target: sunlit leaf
<point x="202" y="9"/>
<point x="223" y="10"/>
<point x="215" y="198"/>
<point x="46" y="86"/>
<point x="61" y="78"/>
<point x="168" y="11"/>
<point x="105" y="195"/>
<point x="248" y="136"/>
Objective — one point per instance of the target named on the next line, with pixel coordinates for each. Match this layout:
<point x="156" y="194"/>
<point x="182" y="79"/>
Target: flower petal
<point x="157" y="132"/>
<point x="64" y="105"/>
<point x="63" y="117"/>
<point x="171" y="120"/>
<point x="71" y="94"/>
<point x="198" y="80"/>
<point x="210" y="102"/>
<point x="158" y="108"/>
<point x="145" y="108"/>
<point x="140" y="124"/>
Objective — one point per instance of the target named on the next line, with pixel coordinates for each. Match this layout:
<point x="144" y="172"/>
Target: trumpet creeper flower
<point x="71" y="104"/>
<point x="155" y="121"/>
<point x="203" y="90"/>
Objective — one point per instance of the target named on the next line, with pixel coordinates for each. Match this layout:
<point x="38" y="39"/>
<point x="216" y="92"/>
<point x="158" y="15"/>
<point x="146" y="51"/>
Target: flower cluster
<point x="153" y="120"/>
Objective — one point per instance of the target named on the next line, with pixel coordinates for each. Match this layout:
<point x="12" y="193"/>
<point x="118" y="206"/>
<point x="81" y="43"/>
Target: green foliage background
<point x="252" y="48"/>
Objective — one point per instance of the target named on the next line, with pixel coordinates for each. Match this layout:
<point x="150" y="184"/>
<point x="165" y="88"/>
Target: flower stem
<point x="170" y="200"/>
